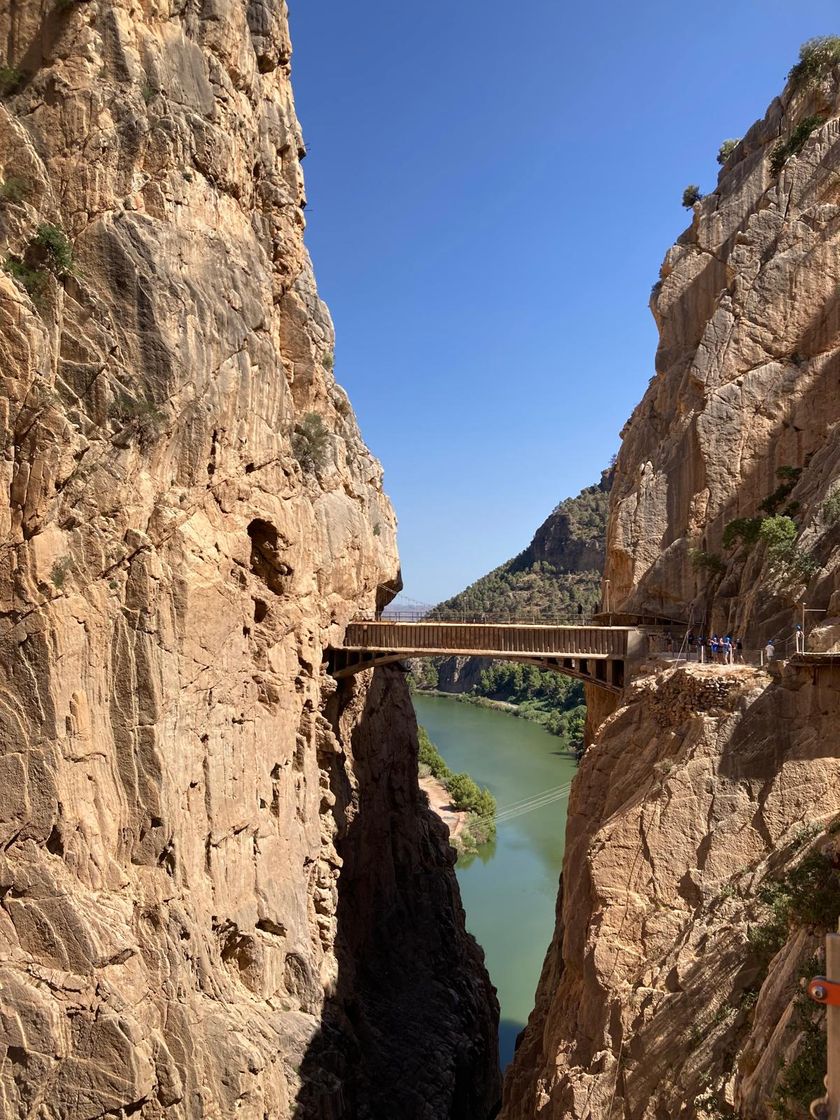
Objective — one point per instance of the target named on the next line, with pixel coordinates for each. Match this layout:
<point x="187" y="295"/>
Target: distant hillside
<point x="559" y="572"/>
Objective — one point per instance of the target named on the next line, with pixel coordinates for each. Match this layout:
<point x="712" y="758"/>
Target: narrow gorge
<point x="222" y="893"/>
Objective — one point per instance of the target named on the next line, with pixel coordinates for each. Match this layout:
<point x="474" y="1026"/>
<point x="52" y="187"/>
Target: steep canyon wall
<point x="701" y="856"/>
<point x="219" y="892"/>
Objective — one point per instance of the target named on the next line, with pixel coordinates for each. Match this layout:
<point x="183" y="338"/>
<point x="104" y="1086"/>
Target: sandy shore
<point x="441" y="803"/>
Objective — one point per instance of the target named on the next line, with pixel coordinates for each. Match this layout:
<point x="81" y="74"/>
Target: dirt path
<point x="441" y="803"/>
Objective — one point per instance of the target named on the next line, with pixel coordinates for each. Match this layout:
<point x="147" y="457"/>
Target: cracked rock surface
<point x="220" y="891"/>
<point x="672" y="990"/>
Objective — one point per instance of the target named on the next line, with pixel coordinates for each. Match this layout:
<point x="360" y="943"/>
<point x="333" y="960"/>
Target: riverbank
<point x="529" y="710"/>
<point x="440" y="802"/>
<point x="509" y="888"/>
<point x="470" y="698"/>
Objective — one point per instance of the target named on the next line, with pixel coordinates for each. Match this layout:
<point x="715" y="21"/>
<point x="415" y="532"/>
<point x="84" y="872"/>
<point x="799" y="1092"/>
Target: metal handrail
<point x="521" y="618"/>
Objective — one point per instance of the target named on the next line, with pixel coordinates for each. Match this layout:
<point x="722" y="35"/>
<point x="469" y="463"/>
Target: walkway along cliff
<point x="702" y="853"/>
<point x="220" y="892"/>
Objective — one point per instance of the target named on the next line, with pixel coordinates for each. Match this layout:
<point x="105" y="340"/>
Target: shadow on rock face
<point x="410" y="1030"/>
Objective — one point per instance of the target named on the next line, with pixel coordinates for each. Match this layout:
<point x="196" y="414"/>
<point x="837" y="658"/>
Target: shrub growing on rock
<point x="817" y="58"/>
<point x="789" y="563"/>
<point x="32" y="280"/>
<point x="691" y="194"/>
<point x="11" y="79"/>
<point x="831" y="508"/>
<point x="13" y="189"/>
<point x="51" y="243"/>
<point x="794" y="143"/>
<point x="310" y="442"/>
<point x="726" y="149"/>
<point x="745" y="530"/>
<point x="709" y="562"/>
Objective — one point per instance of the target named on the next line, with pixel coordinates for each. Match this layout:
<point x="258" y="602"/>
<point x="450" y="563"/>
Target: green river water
<point x="509" y="891"/>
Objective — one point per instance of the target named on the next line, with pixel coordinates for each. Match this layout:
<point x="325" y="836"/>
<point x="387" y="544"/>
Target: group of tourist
<point x="727" y="649"/>
<point x="722" y="649"/>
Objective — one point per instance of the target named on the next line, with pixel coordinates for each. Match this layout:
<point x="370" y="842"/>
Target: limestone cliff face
<point x="672" y="987"/>
<point x="219" y="893"/>
<point x="746" y="386"/>
<point x="657" y="998"/>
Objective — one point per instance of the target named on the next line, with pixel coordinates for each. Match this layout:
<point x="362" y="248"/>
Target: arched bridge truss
<point x="597" y="655"/>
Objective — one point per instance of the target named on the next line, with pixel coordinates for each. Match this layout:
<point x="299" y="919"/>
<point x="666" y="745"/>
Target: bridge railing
<point x="532" y="618"/>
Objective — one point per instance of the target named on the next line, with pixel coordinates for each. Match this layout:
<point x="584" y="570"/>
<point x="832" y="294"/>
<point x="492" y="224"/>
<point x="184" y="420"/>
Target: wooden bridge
<point x="595" y="654"/>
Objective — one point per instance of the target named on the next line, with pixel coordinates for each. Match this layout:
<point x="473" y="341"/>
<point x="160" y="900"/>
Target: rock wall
<point x="746" y="385"/>
<point x="659" y="997"/>
<point x="701" y="853"/>
<point x="220" y="893"/>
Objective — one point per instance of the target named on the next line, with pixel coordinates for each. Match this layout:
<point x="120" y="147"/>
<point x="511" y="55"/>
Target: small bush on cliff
<point x="32" y="280"/>
<point x="789" y="476"/>
<point x="801" y="1080"/>
<point x="60" y="571"/>
<point x="703" y="561"/>
<point x="789" y="563"/>
<point x="809" y="895"/>
<point x="743" y="530"/>
<point x="691" y="194"/>
<point x="51" y="244"/>
<point x="726" y="149"/>
<point x="817" y="58"/>
<point x="310" y="443"/>
<point x="779" y="534"/>
<point x="830" y="508"/>
<point x="140" y="417"/>
<point x="13" y="189"/>
<point x="794" y="143"/>
<point x="430" y="756"/>
<point x="11" y="79"/>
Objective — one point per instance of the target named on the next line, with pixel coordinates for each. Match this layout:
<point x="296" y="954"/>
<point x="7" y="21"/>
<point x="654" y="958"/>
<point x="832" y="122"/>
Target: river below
<point x="509" y="890"/>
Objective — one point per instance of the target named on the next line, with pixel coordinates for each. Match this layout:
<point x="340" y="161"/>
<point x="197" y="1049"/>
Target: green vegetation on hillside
<point x="467" y="796"/>
<point x="545" y="581"/>
<point x="557" y="578"/>
<point x="544" y="696"/>
<point x="777" y="531"/>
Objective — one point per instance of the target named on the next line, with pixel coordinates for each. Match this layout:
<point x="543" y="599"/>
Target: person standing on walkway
<point x="770" y="650"/>
<point x="800" y="639"/>
<point x="739" y="650"/>
<point x="727" y="649"/>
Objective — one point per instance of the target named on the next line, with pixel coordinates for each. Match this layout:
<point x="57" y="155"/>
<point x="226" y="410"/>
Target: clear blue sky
<point x="492" y="187"/>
